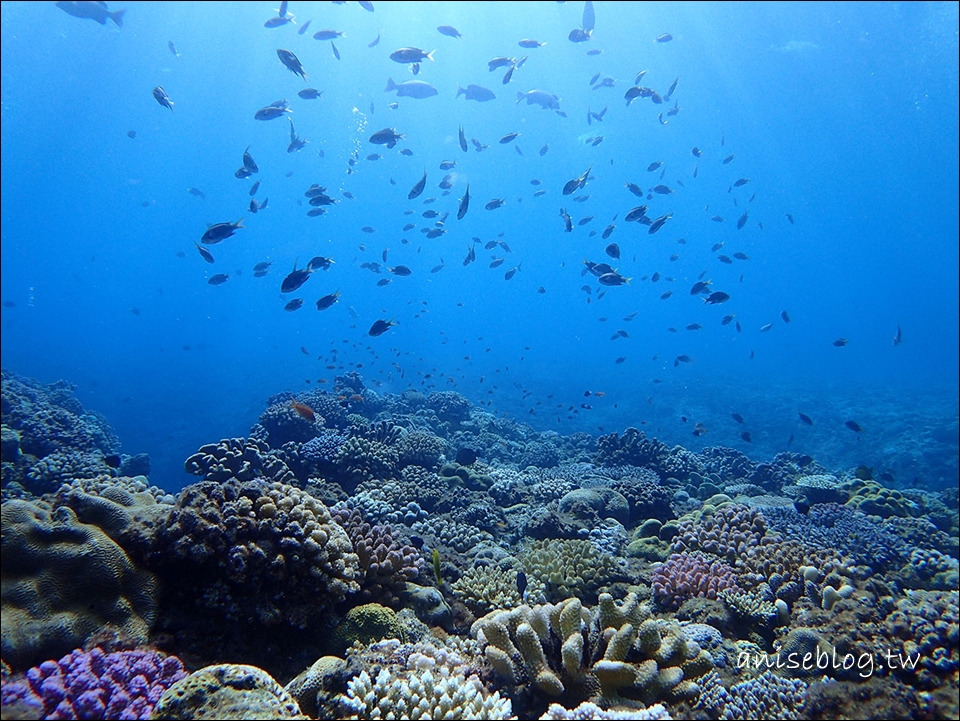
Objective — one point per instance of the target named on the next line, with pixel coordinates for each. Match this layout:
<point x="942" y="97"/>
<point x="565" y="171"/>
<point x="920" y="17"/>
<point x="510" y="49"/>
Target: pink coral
<point x="690" y="575"/>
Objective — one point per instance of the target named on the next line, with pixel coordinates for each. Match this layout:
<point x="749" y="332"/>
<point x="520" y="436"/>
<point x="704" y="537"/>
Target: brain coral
<point x="63" y="580"/>
<point x="255" y="549"/>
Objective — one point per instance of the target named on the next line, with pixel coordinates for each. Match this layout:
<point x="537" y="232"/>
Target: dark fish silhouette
<point x="161" y="96"/>
<point x="380" y="327"/>
<point x="96" y="11"/>
<point x="464" y="203"/>
<point x="411" y="89"/>
<point x="417" y="189"/>
<point x="450" y="31"/>
<point x="291" y="62"/>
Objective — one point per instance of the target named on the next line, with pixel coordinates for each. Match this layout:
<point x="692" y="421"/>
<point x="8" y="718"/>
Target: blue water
<point x="841" y="115"/>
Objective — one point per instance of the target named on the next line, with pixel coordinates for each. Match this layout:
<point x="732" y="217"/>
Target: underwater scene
<point x="480" y="360"/>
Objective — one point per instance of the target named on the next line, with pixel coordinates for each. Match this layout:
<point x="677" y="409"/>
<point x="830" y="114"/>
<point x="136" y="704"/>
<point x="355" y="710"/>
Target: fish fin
<point x="430" y="55"/>
<point x="117" y="17"/>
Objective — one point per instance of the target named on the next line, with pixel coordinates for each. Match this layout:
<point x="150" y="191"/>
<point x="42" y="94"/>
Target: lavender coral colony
<point x="412" y="556"/>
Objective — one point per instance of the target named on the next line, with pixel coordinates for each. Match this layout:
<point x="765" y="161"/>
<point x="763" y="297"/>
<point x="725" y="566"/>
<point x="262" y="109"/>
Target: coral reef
<point x="385" y="564"/>
<point x="568" y="567"/>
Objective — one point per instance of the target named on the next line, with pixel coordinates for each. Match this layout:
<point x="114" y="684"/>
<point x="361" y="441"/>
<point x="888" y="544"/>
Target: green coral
<point x="366" y="624"/>
<point x="471" y="478"/>
<point x="485" y="588"/>
<point x="227" y="691"/>
<point x="874" y="500"/>
<point x="568" y="567"/>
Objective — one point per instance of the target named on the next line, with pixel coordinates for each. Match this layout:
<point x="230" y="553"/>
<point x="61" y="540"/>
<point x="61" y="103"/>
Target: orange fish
<point x="356" y="398"/>
<point x="304" y="411"/>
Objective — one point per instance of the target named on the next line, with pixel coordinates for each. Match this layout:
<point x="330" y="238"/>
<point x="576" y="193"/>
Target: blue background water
<point x="843" y="115"/>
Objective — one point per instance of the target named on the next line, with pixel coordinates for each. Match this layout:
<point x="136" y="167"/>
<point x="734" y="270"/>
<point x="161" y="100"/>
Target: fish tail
<point x="460" y="91"/>
<point x="117" y="17"/>
<point x="430" y="55"/>
<point x="520" y="96"/>
<point x="390" y="85"/>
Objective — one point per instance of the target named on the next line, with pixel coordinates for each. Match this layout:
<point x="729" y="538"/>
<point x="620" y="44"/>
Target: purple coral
<point x="690" y="575"/>
<point x="95" y="685"/>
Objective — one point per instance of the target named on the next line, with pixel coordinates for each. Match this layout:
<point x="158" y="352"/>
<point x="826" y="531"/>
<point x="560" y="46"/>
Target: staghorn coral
<point x="255" y="550"/>
<point x="63" y="580"/>
<point x="319" y="454"/>
<point x="461" y="537"/>
<point x="690" y="575"/>
<point x="488" y="588"/>
<point x="95" y="685"/>
<point x="587" y="711"/>
<point x="766" y="696"/>
<point x="420" y="681"/>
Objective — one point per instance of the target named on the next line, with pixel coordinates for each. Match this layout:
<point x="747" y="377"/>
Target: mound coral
<point x="258" y="550"/>
<point x="64" y="580"/>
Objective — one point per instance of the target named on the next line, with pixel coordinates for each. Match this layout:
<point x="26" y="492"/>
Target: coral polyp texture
<point x="94" y="685"/>
<point x="256" y="549"/>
